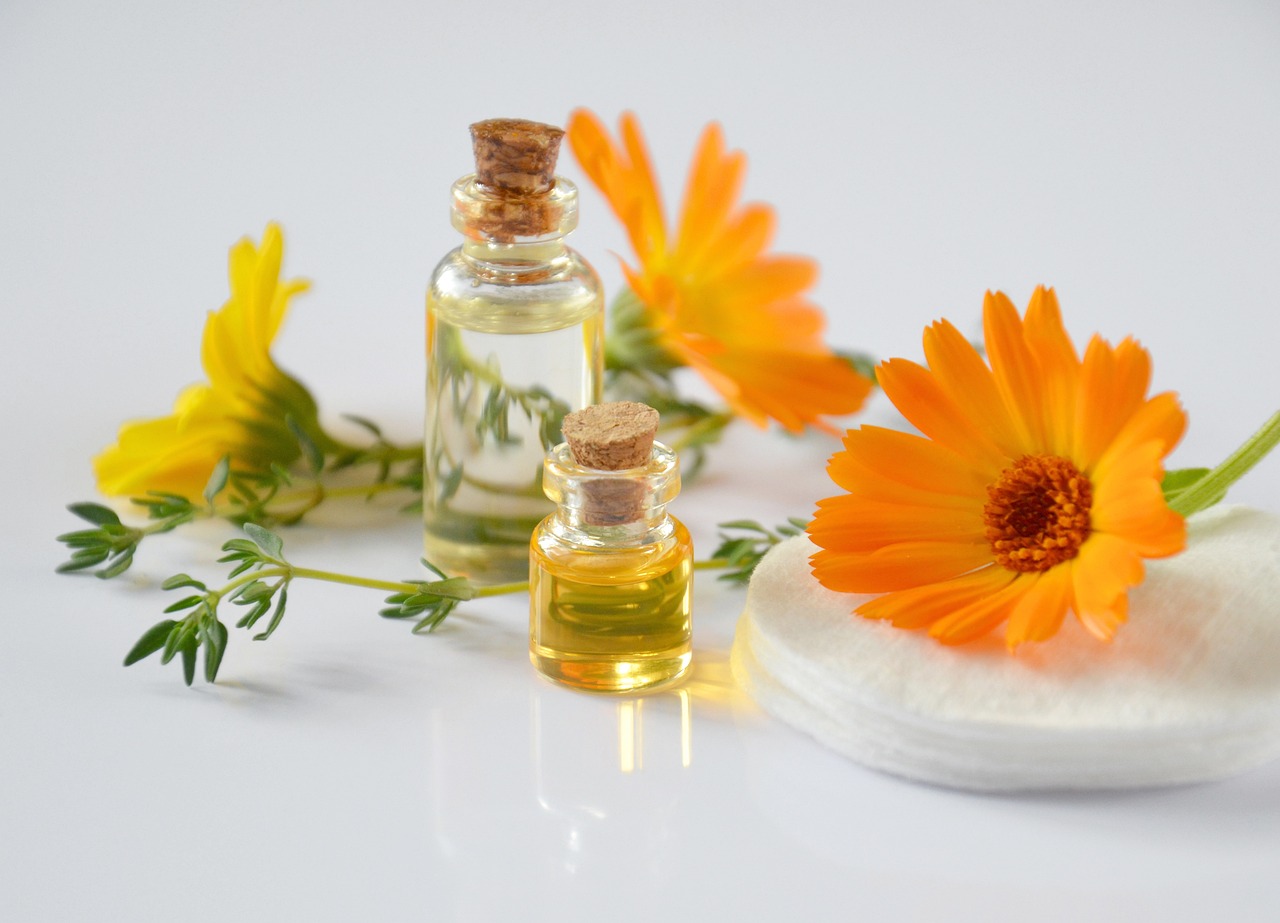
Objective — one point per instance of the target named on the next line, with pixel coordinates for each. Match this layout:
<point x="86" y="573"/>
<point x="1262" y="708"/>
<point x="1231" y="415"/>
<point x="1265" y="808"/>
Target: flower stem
<point x="1205" y="492"/>
<point x="711" y="564"/>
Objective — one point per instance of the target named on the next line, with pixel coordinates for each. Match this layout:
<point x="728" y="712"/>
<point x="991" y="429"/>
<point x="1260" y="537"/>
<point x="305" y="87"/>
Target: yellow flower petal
<point x="241" y="411"/>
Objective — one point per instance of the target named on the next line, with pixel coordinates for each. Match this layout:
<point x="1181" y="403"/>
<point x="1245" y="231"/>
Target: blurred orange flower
<point x="713" y="299"/>
<point x="1035" y="488"/>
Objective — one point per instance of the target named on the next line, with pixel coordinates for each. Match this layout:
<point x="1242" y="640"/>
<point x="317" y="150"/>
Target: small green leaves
<point x="742" y="553"/>
<point x="112" y="544"/>
<point x="267" y="541"/>
<point x="436" y="598"/>
<point x="200" y="627"/>
<point x="150" y="642"/>
<point x="95" y="513"/>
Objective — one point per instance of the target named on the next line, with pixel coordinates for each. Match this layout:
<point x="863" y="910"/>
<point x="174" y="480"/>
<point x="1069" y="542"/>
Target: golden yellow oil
<point x="612" y="620"/>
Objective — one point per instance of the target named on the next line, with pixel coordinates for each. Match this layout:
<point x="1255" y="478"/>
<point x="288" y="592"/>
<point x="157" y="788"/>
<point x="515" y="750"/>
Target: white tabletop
<point x="346" y="770"/>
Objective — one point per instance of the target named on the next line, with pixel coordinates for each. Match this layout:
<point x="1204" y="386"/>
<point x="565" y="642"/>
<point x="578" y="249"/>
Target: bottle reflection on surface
<point x="531" y="792"/>
<point x="631" y="732"/>
<point x="610" y="772"/>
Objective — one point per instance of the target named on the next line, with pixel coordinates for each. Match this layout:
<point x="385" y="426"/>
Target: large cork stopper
<point x="612" y="437"/>
<point x="516" y="155"/>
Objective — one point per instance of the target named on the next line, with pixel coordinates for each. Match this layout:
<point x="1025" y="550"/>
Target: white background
<point x="1126" y="153"/>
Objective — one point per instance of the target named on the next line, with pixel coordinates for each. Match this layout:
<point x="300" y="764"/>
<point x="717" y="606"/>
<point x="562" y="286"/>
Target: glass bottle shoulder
<point x="613" y="565"/>
<point x="493" y="297"/>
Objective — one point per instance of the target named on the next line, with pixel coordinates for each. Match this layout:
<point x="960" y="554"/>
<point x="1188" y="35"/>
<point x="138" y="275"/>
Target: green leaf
<point x="265" y="539"/>
<point x="1180" y="479"/>
<point x="95" y="513"/>
<point x="177" y="637"/>
<point x="218" y="479"/>
<point x="181" y="580"/>
<point x="310" y="451"/>
<point x="151" y="641"/>
<point x="82" y="560"/>
<point x="215" y="647"/>
<point x="862" y="363"/>
<point x="364" y="423"/>
<point x="275" y="616"/>
<point x="119" y="566"/>
<point x="189" y="659"/>
<point x="241" y="546"/>
<point x="748" y="524"/>
<point x="186" y="603"/>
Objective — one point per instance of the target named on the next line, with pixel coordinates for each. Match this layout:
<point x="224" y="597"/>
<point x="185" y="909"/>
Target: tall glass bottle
<point x="514" y="342"/>
<point x="611" y="573"/>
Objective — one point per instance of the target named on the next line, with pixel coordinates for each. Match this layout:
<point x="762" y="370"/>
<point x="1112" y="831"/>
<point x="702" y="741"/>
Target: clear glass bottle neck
<point x="491" y="256"/>
<point x="611" y="509"/>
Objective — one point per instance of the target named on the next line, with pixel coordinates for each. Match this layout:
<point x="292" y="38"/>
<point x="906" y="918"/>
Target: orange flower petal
<point x="922" y="400"/>
<point x="1038" y="615"/>
<point x="1014" y="368"/>
<point x="971" y="386"/>
<point x="979" y="616"/>
<point x="1101" y="575"/>
<point x="1113" y="385"/>
<point x="1059" y="370"/>
<point x="1160" y="419"/>
<point x="907" y="459"/>
<point x="920" y="607"/>
<point x="897" y="567"/>
<point x="853" y="524"/>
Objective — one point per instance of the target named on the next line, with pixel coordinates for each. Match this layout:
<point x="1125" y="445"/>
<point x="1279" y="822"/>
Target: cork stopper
<point x="612" y="437"/>
<point x="516" y="155"/>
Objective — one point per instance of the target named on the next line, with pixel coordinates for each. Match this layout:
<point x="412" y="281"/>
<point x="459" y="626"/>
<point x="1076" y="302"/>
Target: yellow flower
<point x="241" y="411"/>
<point x="716" y="301"/>
<point x="1035" y="488"/>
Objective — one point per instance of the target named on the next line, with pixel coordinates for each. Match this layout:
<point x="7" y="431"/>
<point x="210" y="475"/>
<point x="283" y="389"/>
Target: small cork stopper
<point x="613" y="436"/>
<point x="516" y="155"/>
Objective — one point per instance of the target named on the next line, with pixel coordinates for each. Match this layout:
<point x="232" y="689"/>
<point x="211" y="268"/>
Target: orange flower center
<point x="1037" y="513"/>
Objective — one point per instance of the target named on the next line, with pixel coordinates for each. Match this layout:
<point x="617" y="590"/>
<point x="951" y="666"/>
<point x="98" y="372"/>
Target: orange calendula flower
<point x="242" y="411"/>
<point x="711" y="295"/>
<point x="1034" y="490"/>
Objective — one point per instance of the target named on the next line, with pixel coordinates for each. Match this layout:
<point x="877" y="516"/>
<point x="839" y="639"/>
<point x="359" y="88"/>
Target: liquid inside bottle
<point x="613" y="621"/>
<point x="515" y="337"/>
<point x="501" y="377"/>
<point x="611" y="577"/>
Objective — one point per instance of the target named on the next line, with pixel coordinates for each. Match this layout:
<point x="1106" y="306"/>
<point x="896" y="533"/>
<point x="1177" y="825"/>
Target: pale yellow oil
<point x="612" y="620"/>
<point x="486" y="345"/>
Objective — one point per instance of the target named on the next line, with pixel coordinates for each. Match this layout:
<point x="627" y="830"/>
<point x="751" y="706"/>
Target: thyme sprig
<point x="739" y="554"/>
<point x="259" y="583"/>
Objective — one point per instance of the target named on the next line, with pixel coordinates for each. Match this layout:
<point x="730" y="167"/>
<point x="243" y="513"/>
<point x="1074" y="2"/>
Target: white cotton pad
<point x="1188" y="691"/>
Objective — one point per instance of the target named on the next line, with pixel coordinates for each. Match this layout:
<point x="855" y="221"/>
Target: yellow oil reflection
<point x="631" y="730"/>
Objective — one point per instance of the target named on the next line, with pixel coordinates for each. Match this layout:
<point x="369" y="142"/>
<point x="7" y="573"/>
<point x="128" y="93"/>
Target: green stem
<point x="391" y="586"/>
<point x="693" y="434"/>
<point x="222" y="591"/>
<point x="711" y="564"/>
<point x="500" y="589"/>
<point x="1206" y="491"/>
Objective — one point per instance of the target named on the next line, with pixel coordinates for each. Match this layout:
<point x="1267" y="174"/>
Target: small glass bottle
<point x="610" y="572"/>
<point x="514" y="342"/>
